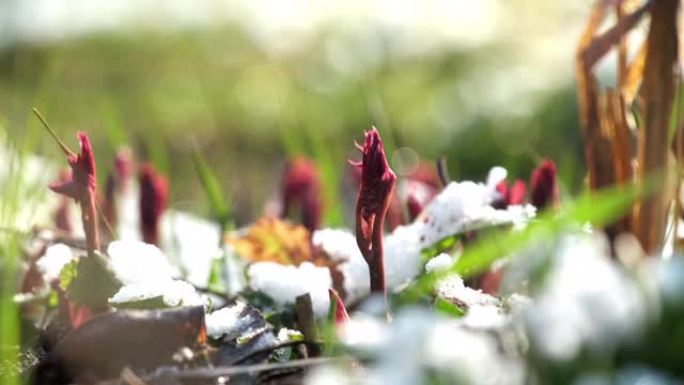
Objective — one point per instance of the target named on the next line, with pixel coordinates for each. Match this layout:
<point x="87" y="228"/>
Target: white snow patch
<point x="441" y="262"/>
<point x="174" y="293"/>
<point x="496" y="175"/>
<point x="146" y="273"/>
<point x="226" y="321"/>
<point x="454" y="290"/>
<point x="285" y="283"/>
<point x="363" y="332"/>
<point x="139" y="262"/>
<point x="287" y="335"/>
<point x="465" y="206"/>
<point x="192" y="242"/>
<point x="54" y="259"/>
<point x="588" y="301"/>
<point x="418" y="340"/>
<point x="341" y="245"/>
<point x="402" y="255"/>
<point x="485" y="317"/>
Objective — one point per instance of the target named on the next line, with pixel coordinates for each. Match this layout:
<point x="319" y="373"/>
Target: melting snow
<point x="146" y="273"/>
<point x="285" y="283"/>
<point x="54" y="259"/>
<point x="588" y="301"/>
<point x="226" y="321"/>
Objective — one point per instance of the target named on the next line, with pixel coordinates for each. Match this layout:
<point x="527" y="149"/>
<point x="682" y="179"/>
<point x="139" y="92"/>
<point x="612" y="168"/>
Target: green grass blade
<point x="220" y="208"/>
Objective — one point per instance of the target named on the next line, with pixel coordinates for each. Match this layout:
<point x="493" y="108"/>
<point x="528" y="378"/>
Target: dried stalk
<point x="658" y="94"/>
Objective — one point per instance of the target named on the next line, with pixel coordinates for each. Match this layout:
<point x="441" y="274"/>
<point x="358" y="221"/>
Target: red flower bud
<point x="81" y="188"/>
<point x="341" y="316"/>
<point x="301" y="190"/>
<point x="83" y="177"/>
<point x="153" y="201"/>
<point x="544" y="186"/>
<point x="372" y="202"/>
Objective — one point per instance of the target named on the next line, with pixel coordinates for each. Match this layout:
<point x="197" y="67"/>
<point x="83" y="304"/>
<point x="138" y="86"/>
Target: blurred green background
<point x="251" y="83"/>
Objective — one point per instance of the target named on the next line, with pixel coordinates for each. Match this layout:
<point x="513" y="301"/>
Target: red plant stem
<point x="376" y="264"/>
<point x="89" y="218"/>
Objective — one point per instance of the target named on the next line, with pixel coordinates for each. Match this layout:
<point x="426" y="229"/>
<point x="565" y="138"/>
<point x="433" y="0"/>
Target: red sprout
<point x="153" y="200"/>
<point x="543" y="185"/>
<point x="509" y="196"/>
<point x="372" y="202"/>
<point x="301" y="190"/>
<point x="341" y="316"/>
<point x="516" y="194"/>
<point x="81" y="187"/>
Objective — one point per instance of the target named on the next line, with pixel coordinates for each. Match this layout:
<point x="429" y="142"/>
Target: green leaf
<point x="215" y="280"/>
<point x="90" y="281"/>
<point x="67" y="274"/>
<point x="219" y="207"/>
<point x="447" y="308"/>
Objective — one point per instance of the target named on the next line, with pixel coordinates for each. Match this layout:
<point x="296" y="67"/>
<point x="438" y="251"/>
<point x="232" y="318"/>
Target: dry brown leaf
<point x="629" y="86"/>
<point x="274" y="240"/>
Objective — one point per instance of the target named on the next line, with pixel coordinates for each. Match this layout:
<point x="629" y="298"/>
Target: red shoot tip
<point x="83" y="179"/>
<point x="301" y="190"/>
<point x="153" y="201"/>
<point x="375" y="192"/>
<point x="544" y="188"/>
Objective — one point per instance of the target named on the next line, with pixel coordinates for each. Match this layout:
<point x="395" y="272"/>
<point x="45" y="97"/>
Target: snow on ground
<point x="417" y="341"/>
<point x="465" y="206"/>
<point x="225" y="321"/>
<point x="587" y="300"/>
<point x="54" y="259"/>
<point x="285" y="283"/>
<point x="146" y="273"/>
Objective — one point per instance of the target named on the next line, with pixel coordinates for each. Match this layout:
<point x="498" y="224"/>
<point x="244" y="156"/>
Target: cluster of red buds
<point x="543" y="186"/>
<point x="372" y="202"/>
<point x="543" y="194"/>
